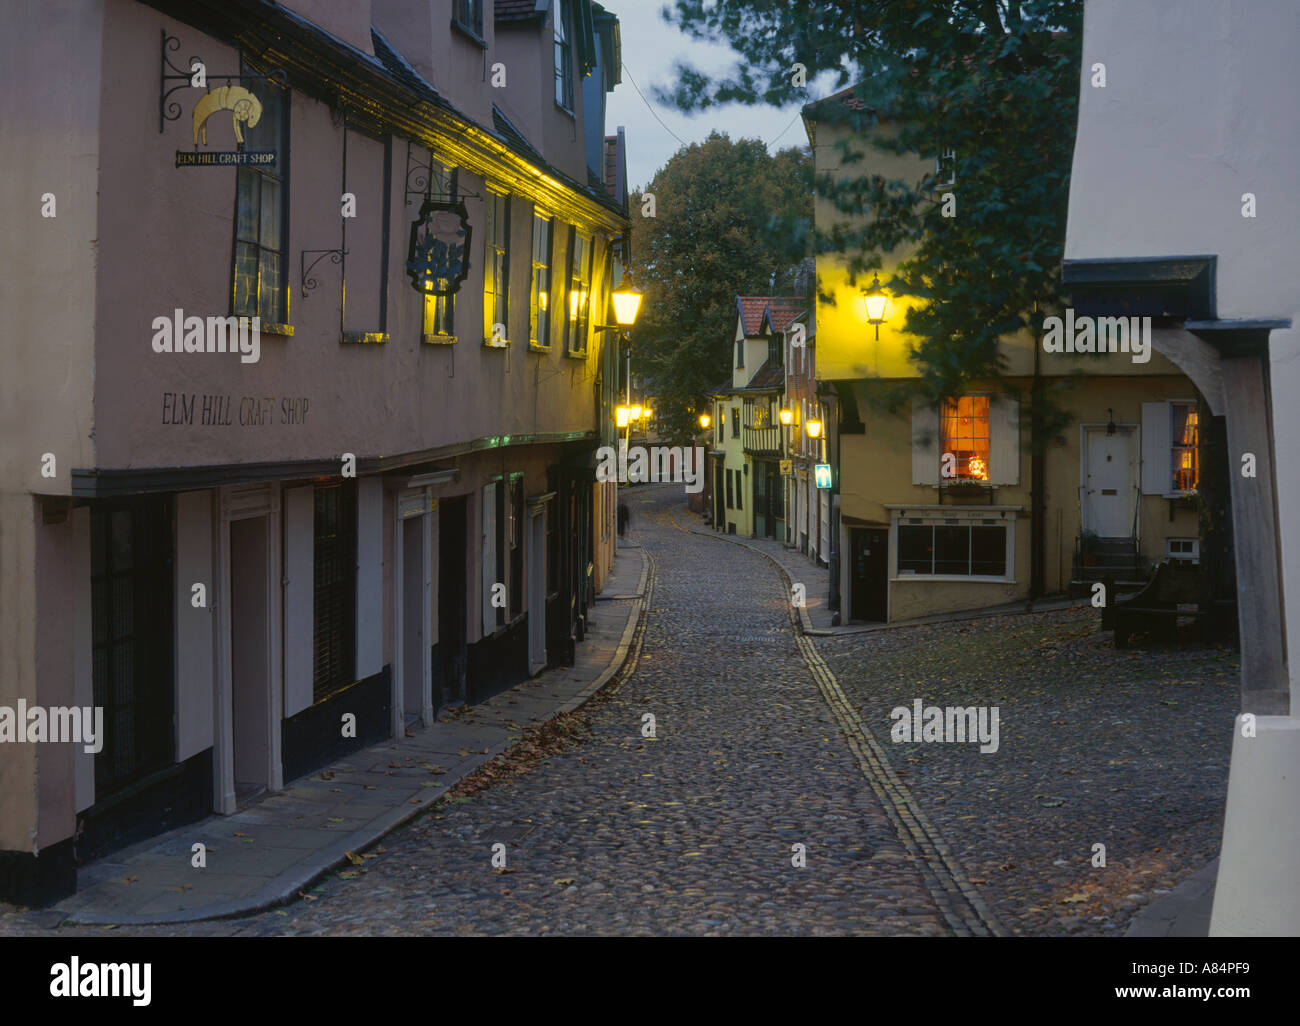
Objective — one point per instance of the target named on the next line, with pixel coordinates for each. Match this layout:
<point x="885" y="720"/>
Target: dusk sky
<point x="651" y="46"/>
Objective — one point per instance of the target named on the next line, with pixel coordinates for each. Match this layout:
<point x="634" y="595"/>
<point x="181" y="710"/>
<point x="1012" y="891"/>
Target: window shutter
<point x="299" y="596"/>
<point x="370" y="577"/>
<point x="1004" y="441"/>
<point x="925" y="444"/>
<point x="1157" y="465"/>
<point x="489" y="551"/>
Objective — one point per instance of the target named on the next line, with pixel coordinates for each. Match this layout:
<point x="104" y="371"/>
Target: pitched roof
<point x="770" y="377"/>
<point x="782" y="311"/>
<point x="751" y="313"/>
<point x="776" y="311"/>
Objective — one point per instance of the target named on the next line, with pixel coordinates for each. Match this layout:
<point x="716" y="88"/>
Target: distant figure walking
<point x="623" y="517"/>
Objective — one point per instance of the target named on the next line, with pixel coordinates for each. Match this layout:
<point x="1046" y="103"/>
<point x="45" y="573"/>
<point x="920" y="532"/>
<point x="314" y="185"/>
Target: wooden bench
<point x="1155" y="608"/>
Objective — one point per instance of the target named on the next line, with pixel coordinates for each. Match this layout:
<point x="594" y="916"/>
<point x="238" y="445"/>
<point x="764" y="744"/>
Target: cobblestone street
<point x="758" y="748"/>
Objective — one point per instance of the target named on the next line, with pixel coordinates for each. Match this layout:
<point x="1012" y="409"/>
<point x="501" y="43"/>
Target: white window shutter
<point x="370" y="577"/>
<point x="489" y="549"/>
<point x="925" y="444"/>
<point x="1004" y="441"/>
<point x="299" y="597"/>
<point x="1157" y="461"/>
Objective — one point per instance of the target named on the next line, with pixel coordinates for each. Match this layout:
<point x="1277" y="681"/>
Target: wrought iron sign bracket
<point x="308" y="283"/>
<point x="170" y="110"/>
<point x="419" y="182"/>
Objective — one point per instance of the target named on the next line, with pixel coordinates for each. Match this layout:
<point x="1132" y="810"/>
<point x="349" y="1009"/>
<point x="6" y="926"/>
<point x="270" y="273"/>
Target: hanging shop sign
<point x="823" y="475"/>
<point x="244" y="107"/>
<point x="437" y="259"/>
<point x="787" y="468"/>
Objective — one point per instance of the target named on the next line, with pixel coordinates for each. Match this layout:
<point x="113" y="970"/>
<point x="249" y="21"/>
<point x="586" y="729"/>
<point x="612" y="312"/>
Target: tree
<point x="996" y="81"/>
<point x="727" y="215"/>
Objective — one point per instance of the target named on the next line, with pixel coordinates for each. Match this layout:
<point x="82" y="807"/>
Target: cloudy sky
<point x="650" y="48"/>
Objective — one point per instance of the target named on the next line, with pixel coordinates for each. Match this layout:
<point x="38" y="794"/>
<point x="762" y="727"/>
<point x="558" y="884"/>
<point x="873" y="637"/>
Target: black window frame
<point x="248" y="303"/>
<point x="149" y="581"/>
<point x="912" y="535"/>
<point x="564" y="98"/>
<point x="334" y="598"/>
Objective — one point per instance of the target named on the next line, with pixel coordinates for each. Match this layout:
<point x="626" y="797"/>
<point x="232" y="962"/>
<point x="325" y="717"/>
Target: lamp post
<point x="627" y="304"/>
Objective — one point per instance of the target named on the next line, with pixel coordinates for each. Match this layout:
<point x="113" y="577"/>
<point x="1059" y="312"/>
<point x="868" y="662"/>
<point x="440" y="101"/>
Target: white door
<point x="1108" y="483"/>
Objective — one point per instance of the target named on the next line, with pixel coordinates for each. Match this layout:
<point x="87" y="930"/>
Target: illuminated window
<point x="966" y="436"/>
<point x="496" y="264"/>
<point x="1185" y="435"/>
<point x="260" y="279"/>
<point x="438" y="311"/>
<point x="581" y="253"/>
<point x="539" y="316"/>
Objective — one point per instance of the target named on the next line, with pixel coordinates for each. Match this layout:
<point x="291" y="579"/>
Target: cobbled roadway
<point x="689" y="833"/>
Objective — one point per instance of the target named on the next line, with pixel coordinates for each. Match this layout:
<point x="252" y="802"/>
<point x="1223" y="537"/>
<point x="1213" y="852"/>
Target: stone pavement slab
<point x="265" y="854"/>
<point x="1183" y="912"/>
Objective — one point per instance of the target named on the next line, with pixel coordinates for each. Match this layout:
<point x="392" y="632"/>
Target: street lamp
<point x="705" y="421"/>
<point x="627" y="301"/>
<point x="787" y="417"/>
<point x="814" y="427"/>
<point x="627" y="304"/>
<point x="876" y="301"/>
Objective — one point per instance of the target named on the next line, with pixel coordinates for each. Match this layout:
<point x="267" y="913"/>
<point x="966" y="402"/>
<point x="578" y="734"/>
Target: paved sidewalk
<point x="267" y="853"/>
<point x="1183" y="912"/>
<point x="816" y="615"/>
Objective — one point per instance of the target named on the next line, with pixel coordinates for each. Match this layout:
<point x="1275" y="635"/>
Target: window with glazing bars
<point x="335" y="589"/>
<point x="131" y="639"/>
<point x="580" y="257"/>
<point x="563" y="58"/>
<point x="496" y="266"/>
<point x="1186" y="461"/>
<point x="539" y="318"/>
<point x="260" y="285"/>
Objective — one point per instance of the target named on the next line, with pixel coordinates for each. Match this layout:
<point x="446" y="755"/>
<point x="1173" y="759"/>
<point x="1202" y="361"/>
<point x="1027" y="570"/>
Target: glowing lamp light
<point x="814" y="428"/>
<point x="622" y="415"/>
<point x="876" y="301"/>
<point x="787" y="417"/>
<point x="627" y="301"/>
<point x="978" y="468"/>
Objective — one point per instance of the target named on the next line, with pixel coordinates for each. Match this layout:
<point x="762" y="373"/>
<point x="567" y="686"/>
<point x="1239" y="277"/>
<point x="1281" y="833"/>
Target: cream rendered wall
<point x="1202" y="109"/>
<point x="47" y="322"/>
<point x="878" y="472"/>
